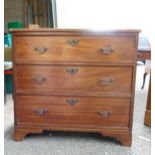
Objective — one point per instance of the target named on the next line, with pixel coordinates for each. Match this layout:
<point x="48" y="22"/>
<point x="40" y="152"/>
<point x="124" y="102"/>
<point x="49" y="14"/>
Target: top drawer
<point x="108" y="49"/>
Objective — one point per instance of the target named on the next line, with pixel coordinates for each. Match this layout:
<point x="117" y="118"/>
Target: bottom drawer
<point x="46" y="110"/>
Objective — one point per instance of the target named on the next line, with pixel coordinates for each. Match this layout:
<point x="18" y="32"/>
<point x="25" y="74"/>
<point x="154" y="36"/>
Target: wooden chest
<point x="74" y="80"/>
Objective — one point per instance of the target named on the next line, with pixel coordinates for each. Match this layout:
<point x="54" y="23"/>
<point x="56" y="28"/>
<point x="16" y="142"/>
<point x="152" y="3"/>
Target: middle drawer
<point x="73" y="79"/>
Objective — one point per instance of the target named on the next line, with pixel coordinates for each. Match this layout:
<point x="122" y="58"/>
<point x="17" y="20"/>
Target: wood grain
<point x="88" y="49"/>
<point x="84" y="112"/>
<point x="85" y="79"/>
<point x="74" y="80"/>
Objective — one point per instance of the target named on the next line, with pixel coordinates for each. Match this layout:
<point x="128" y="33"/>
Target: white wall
<point x="105" y="14"/>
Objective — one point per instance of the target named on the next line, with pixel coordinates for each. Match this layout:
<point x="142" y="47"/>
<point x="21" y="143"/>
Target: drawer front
<point x="74" y="79"/>
<point x="45" y="110"/>
<point x="110" y="49"/>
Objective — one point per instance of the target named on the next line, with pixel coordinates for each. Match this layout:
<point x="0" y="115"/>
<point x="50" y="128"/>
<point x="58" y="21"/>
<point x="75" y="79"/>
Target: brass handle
<point x="72" y="101"/>
<point x="107" y="50"/>
<point x="104" y="113"/>
<point x="39" y="79"/>
<point x="40" y="111"/>
<point x="73" y="42"/>
<point x="40" y="50"/>
<point x="107" y="81"/>
<point x="72" y="70"/>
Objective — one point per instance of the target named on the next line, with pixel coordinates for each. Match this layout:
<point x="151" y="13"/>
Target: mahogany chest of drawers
<point x="74" y="80"/>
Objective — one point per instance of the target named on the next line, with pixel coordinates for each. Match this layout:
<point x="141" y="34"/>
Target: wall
<point x="105" y="14"/>
<point x="13" y="11"/>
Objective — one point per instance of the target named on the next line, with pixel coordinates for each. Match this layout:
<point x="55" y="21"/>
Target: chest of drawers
<point x="74" y="80"/>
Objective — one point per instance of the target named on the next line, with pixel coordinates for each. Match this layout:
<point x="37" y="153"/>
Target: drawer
<point x="74" y="79"/>
<point x="45" y="110"/>
<point x="107" y="49"/>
